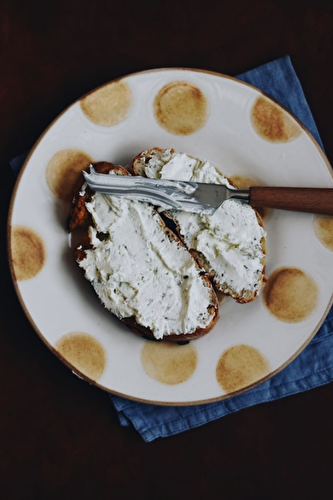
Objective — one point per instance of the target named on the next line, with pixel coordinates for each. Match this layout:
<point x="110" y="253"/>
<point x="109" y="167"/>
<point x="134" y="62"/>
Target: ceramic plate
<point x="248" y="137"/>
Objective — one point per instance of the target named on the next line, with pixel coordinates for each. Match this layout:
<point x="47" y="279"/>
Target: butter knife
<point x="207" y="198"/>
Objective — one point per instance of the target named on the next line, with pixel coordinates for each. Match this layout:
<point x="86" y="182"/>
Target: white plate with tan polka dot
<point x="249" y="138"/>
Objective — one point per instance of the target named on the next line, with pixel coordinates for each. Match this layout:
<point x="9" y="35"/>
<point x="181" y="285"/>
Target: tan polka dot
<point x="27" y="251"/>
<point x="181" y="108"/>
<point x="84" y="352"/>
<point x="290" y="294"/>
<point x="241" y="366"/>
<point x="108" y="105"/>
<point x="272" y="122"/>
<point x="244" y="182"/>
<point x="169" y="363"/>
<point x="64" y="172"/>
<point x="323" y="227"/>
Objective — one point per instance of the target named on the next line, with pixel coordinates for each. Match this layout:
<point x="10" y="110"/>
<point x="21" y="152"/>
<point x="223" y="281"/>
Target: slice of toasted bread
<point x="231" y="244"/>
<point x="140" y="270"/>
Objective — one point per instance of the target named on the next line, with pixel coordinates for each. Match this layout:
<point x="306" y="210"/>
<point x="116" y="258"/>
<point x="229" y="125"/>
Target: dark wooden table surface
<point x="60" y="437"/>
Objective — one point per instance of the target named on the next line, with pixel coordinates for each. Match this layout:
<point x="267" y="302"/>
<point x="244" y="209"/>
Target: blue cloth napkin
<point x="312" y="368"/>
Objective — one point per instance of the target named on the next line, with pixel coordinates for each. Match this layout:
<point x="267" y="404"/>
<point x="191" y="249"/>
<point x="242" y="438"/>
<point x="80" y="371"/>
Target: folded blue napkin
<point x="312" y="368"/>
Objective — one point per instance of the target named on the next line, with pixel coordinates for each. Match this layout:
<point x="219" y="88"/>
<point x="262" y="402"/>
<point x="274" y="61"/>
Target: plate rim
<point x="24" y="166"/>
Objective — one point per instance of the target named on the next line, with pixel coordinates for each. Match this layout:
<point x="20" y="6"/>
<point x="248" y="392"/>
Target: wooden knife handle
<point x="314" y="200"/>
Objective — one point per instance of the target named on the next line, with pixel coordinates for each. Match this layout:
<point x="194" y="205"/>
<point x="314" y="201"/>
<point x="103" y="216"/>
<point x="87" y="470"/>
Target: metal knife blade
<point x="165" y="194"/>
<point x="207" y="198"/>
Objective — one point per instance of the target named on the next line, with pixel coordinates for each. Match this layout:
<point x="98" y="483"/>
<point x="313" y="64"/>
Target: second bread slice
<point x="231" y="244"/>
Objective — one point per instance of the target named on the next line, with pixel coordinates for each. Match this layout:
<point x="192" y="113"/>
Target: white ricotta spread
<point x="230" y="240"/>
<point x="181" y="167"/>
<point x="137" y="271"/>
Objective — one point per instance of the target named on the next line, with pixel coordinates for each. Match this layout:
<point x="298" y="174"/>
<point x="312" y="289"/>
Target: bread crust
<point x="79" y="221"/>
<point x="144" y="156"/>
